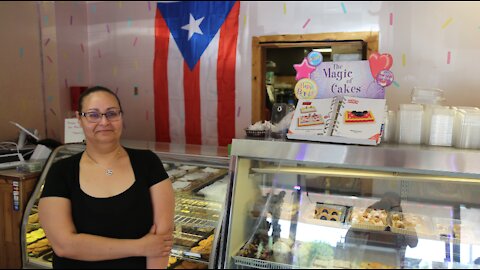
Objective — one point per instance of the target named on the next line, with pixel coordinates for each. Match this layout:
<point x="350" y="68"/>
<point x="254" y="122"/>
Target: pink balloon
<point x="379" y="62"/>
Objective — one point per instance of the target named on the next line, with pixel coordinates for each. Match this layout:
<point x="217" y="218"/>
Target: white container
<point x="389" y="128"/>
<point x="427" y="119"/>
<point x="441" y="126"/>
<point x="409" y="124"/>
<point x="465" y="108"/>
<point x="467" y="129"/>
<point x="421" y="95"/>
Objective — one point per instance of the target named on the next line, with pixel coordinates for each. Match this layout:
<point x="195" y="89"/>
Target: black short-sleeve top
<point x="128" y="215"/>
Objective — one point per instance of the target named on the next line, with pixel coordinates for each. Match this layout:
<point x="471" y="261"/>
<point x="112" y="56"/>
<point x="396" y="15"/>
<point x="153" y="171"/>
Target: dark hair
<point x="93" y="90"/>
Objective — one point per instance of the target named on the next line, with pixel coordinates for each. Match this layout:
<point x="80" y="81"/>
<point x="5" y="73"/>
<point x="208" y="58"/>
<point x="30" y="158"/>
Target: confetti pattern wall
<point x="65" y="64"/>
<point x="433" y="44"/>
<point x="21" y="97"/>
<point x="121" y="49"/>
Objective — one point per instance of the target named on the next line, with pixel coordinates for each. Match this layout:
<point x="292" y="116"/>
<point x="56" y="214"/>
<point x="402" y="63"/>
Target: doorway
<point x="273" y="57"/>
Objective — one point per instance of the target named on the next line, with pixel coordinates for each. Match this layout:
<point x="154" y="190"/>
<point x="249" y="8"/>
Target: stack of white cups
<point x="467" y="128"/>
<point x="440" y="126"/>
<point x="409" y="124"/>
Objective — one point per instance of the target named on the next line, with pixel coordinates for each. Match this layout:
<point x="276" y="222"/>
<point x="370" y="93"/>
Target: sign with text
<point x="73" y="131"/>
<point x="365" y="79"/>
<point x="346" y="79"/>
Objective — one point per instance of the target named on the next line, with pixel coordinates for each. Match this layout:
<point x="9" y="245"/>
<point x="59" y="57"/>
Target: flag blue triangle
<point x="178" y="15"/>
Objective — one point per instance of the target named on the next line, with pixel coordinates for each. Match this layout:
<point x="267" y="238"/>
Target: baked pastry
<point x="176" y="173"/>
<point x="33" y="218"/>
<point x="333" y="218"/>
<point x="171" y="260"/>
<point x="369" y="217"/>
<point x="38" y="248"/>
<point x="374" y="265"/>
<point x="328" y="212"/>
<point x="410" y="223"/>
<point x="359" y="117"/>
<point x="35" y="235"/>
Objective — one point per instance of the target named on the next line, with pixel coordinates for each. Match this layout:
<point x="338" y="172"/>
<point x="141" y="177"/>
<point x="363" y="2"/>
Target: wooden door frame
<point x="261" y="43"/>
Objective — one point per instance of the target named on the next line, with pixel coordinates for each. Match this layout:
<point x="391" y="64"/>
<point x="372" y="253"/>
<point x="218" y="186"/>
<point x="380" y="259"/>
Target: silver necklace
<point x="108" y="171"/>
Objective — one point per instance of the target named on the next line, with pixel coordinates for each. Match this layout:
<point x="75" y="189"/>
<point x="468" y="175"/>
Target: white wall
<point x="421" y="33"/>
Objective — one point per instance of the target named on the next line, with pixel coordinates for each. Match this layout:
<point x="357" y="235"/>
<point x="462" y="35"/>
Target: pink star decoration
<point x="303" y="70"/>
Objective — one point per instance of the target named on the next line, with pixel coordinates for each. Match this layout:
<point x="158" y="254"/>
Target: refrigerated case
<point x="318" y="205"/>
<point x="200" y="178"/>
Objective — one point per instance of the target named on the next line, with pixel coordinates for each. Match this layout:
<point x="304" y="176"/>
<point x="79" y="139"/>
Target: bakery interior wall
<point x="434" y="44"/>
<point x="21" y="97"/>
<point x="44" y="51"/>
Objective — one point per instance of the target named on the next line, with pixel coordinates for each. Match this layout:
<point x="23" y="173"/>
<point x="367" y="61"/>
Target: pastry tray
<point x="41" y="253"/>
<point x="330" y="212"/>
<point x="48" y="256"/>
<point x="423" y="226"/>
<point x="186" y="239"/>
<point x="363" y="225"/>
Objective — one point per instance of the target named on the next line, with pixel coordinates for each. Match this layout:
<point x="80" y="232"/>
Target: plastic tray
<point x="327" y="212"/>
<point x="420" y="224"/>
<point x="443" y="227"/>
<point x="364" y="225"/>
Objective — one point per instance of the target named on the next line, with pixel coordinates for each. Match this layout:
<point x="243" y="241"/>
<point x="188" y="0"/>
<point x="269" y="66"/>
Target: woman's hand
<point x="156" y="245"/>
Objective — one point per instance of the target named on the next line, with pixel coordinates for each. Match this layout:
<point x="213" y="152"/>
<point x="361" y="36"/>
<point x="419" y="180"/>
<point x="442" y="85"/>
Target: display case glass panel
<point x="290" y="211"/>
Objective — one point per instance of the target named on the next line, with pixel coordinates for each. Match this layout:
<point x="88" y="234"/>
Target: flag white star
<point x="193" y="26"/>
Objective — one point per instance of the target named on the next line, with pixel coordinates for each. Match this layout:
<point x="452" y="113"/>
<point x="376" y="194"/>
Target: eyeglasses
<point x="95" y="117"/>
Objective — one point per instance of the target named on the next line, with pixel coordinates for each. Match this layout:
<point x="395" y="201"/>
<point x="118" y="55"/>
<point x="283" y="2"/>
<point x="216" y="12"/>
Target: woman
<point x="109" y="206"/>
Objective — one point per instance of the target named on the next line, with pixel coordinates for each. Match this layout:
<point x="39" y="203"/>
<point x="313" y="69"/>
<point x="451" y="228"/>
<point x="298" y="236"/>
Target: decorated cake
<point x="307" y="107"/>
<point x="359" y="117"/>
<point x="310" y="119"/>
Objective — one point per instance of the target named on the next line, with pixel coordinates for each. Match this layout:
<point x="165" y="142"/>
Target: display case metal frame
<point x="403" y="163"/>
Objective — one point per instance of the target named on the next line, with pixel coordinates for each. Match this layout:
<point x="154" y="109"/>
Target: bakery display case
<point x="200" y="178"/>
<point x="319" y="205"/>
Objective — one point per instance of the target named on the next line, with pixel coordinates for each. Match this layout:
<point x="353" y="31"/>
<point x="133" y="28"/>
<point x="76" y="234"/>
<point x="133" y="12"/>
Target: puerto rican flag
<point x="194" y="71"/>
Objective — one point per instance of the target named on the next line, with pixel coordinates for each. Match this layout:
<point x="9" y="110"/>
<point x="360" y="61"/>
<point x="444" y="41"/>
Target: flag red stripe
<point x="160" y="80"/>
<point x="227" y="48"/>
<point x="191" y="90"/>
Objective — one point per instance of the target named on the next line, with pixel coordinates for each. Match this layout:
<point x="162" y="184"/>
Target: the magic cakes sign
<point x="353" y="78"/>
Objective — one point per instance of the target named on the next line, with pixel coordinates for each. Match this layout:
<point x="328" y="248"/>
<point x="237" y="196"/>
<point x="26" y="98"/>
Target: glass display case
<point x="318" y="205"/>
<point x="200" y="179"/>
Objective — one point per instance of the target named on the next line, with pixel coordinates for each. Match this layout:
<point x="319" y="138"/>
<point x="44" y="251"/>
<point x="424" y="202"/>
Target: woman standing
<point x="109" y="206"/>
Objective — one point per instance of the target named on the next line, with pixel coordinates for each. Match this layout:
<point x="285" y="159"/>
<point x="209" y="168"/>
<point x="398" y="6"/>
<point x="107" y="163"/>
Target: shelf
<point x="189" y="200"/>
<point x="355" y="173"/>
<point x="37" y="263"/>
<point x="185" y="254"/>
<point x="182" y="206"/>
<point x="261" y="264"/>
<point x="192" y="221"/>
